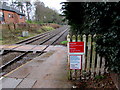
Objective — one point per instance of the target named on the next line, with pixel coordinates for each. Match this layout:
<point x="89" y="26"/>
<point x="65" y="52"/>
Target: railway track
<point x="44" y="38"/>
<point x="33" y="40"/>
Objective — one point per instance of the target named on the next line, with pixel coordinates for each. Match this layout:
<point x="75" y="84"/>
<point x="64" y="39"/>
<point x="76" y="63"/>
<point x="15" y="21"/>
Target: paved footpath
<point x="46" y="71"/>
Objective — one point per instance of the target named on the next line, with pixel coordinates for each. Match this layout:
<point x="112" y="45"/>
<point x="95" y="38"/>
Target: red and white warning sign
<point x="76" y="47"/>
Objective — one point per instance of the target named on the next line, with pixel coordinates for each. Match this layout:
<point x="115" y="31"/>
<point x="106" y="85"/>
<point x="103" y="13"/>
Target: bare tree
<point x="19" y="5"/>
<point x="45" y="14"/>
<point x="28" y="9"/>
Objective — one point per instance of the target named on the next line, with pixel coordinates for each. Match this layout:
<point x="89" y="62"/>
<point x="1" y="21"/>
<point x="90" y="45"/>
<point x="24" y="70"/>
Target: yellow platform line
<point x="16" y="69"/>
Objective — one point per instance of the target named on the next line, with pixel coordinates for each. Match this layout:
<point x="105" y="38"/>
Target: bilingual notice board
<point x="76" y="51"/>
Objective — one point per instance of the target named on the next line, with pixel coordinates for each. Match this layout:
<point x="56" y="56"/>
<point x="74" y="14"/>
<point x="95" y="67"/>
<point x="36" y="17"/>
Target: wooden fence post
<point x="84" y="56"/>
<point x="68" y="39"/>
<point x="103" y="66"/>
<point x="93" y="57"/>
<point x="75" y="72"/>
<point x="88" y="53"/>
<point x="70" y="73"/>
<point x="78" y="38"/>
<point x="98" y="65"/>
<point x="73" y="38"/>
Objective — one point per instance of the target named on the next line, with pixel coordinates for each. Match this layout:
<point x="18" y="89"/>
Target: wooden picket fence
<point x="92" y="63"/>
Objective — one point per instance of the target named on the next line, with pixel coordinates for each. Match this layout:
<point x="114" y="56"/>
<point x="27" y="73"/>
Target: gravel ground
<point x="8" y="57"/>
<point x="97" y="83"/>
<point x="18" y="63"/>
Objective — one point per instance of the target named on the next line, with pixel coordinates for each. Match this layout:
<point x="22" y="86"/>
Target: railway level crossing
<point x="18" y="47"/>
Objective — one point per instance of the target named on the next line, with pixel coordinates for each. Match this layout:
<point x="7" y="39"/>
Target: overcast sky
<point x="54" y="4"/>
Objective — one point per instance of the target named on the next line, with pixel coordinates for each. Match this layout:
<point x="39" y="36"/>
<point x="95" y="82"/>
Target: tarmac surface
<point x="46" y="71"/>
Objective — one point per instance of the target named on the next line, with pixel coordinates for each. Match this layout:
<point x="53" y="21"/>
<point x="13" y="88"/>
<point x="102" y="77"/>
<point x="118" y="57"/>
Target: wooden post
<point x="78" y="38"/>
<point x="68" y="39"/>
<point x="89" y="53"/>
<point x="74" y="40"/>
<point x="98" y="65"/>
<point x="103" y="66"/>
<point x="84" y="56"/>
<point x="93" y="57"/>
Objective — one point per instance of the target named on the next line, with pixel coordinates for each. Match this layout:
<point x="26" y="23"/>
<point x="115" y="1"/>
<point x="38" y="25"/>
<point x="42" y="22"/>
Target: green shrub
<point x="40" y="31"/>
<point x="103" y="19"/>
<point x="32" y="22"/>
<point x="47" y="28"/>
<point x="64" y="42"/>
<point x="54" y="26"/>
<point x="98" y="77"/>
<point x="1" y="42"/>
<point x="28" y="21"/>
<point x="22" y="38"/>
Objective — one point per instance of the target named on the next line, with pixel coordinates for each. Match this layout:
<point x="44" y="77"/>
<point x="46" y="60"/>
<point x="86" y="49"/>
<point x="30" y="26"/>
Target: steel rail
<point x="37" y="36"/>
<point x="53" y="41"/>
<point x="31" y="38"/>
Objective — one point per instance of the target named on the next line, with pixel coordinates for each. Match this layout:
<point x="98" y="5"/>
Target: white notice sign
<point x="75" y="62"/>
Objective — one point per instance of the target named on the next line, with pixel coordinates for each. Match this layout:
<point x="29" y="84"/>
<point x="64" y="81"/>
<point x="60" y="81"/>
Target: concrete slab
<point x="25" y="47"/>
<point x="39" y="48"/>
<point x="30" y="48"/>
<point x="10" y="82"/>
<point x="49" y="66"/>
<point x="36" y="64"/>
<point x="26" y="83"/>
<point x="1" y="47"/>
<point x="52" y="84"/>
<point x="52" y="73"/>
<point x="8" y="47"/>
<point x="21" y="72"/>
<point x="57" y="48"/>
<point x="20" y="47"/>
